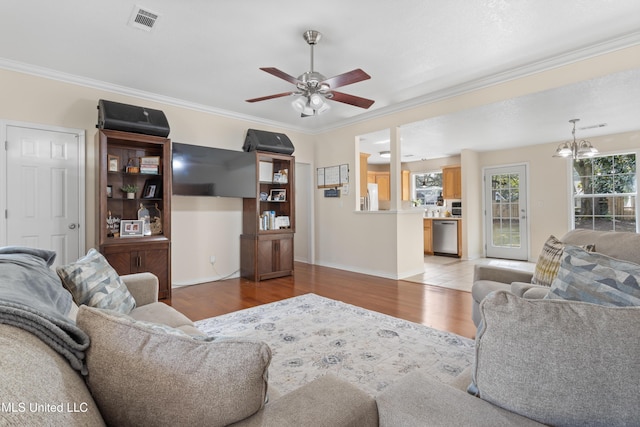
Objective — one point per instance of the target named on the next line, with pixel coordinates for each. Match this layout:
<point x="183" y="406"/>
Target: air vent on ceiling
<point x="600" y="125"/>
<point x="142" y="18"/>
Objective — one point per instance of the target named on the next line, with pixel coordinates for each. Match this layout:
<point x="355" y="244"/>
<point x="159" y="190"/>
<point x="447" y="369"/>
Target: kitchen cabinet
<point x="428" y="237"/>
<point x="383" y="179"/>
<point x="268" y="223"/>
<point x="406" y="186"/>
<point x="384" y="184"/>
<point x="364" y="168"/>
<point x="451" y="182"/>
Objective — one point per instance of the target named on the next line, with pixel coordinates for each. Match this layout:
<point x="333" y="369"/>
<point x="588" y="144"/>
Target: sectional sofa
<point x="539" y="361"/>
<point x="147" y="367"/>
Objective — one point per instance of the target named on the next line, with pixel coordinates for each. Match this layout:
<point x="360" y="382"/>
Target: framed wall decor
<point x="278" y="195"/>
<point x="152" y="189"/>
<point x="114" y="163"/>
<point x="131" y="228"/>
<point x="109" y="191"/>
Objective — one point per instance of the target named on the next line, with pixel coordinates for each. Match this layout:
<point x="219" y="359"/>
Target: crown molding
<point x="549" y="63"/>
<point x="48" y="73"/>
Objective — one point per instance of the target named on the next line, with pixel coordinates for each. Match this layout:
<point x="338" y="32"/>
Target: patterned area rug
<point x="310" y="335"/>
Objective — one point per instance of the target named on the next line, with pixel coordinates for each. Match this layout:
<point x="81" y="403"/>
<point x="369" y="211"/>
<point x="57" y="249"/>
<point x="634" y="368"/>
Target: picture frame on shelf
<point x="152" y="189"/>
<point x="278" y="195"/>
<point x="109" y="191"/>
<point x="281" y="177"/>
<point x="113" y="163"/>
<point x="131" y="228"/>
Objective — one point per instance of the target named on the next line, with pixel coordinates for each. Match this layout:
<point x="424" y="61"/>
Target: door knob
<point x="72" y="226"/>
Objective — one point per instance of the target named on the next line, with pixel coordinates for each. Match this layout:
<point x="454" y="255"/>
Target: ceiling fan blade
<point x="281" y="74"/>
<point x="264" y="98"/>
<point x="351" y="99"/>
<point x="350" y="77"/>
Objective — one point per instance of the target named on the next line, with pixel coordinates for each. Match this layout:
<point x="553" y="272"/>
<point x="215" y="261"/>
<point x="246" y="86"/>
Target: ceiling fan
<point x="313" y="89"/>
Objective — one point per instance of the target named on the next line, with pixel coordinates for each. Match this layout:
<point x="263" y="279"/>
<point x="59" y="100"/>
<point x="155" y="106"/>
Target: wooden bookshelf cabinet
<point x="266" y="245"/>
<point x="119" y="154"/>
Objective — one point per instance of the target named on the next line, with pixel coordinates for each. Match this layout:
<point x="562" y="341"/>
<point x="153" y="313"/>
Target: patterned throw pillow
<point x="596" y="278"/>
<point x="93" y="282"/>
<point x="549" y="261"/>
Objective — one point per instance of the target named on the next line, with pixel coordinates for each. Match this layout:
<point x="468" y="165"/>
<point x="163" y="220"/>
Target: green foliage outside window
<point x="426" y="188"/>
<point x="605" y="193"/>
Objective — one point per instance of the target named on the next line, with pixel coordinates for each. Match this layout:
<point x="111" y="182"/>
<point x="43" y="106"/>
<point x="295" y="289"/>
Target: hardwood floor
<point x="440" y="308"/>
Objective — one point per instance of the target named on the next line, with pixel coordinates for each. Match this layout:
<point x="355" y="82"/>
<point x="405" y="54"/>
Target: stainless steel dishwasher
<point x="445" y="237"/>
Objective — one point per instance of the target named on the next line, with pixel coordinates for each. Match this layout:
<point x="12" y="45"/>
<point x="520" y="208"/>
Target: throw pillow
<point x="93" y="282"/>
<point x="596" y="278"/>
<point x="549" y="261"/>
<point x="561" y="363"/>
<point x="143" y="376"/>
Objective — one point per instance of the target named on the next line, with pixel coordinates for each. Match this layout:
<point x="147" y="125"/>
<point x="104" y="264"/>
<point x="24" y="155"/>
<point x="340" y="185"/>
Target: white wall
<point x="201" y="226"/>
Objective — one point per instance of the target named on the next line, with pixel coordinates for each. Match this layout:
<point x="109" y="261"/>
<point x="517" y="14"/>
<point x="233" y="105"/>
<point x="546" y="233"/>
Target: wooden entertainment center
<point x="121" y="162"/>
<point x="268" y="220"/>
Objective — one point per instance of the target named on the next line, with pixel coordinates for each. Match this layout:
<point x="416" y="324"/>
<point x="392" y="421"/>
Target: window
<point x="426" y="188"/>
<point x="605" y="193"/>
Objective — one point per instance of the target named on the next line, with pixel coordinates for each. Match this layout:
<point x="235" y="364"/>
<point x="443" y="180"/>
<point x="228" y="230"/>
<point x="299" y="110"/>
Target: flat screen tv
<point x="208" y="171"/>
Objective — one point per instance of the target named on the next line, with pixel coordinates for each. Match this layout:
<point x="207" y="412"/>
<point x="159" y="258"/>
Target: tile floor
<point x="455" y="273"/>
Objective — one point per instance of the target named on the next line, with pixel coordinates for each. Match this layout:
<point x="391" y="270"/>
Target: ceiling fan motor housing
<point x="312" y="36"/>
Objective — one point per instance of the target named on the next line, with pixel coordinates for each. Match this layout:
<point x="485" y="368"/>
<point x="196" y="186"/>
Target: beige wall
<point x="201" y="226"/>
<point x="549" y="198"/>
<point x="359" y="240"/>
<point x="385" y="244"/>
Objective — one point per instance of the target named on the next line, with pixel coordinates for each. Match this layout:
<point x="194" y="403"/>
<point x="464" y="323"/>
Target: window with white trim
<point x="605" y="193"/>
<point x="426" y="188"/>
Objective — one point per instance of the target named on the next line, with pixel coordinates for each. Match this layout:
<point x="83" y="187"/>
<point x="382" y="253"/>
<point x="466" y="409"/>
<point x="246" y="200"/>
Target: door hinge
<point x="6" y="146"/>
<point x="6" y="214"/>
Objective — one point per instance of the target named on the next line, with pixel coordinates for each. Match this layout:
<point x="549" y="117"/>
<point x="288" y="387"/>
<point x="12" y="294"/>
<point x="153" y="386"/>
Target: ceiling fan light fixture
<point x="323" y="108"/>
<point x="299" y="104"/>
<point x="316" y="101"/>
<point x="315" y="89"/>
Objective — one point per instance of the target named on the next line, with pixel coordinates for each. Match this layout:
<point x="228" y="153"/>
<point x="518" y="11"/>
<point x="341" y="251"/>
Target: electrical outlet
<point x="212" y="259"/>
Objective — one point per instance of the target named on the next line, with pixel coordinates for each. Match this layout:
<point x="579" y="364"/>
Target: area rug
<point x="310" y="336"/>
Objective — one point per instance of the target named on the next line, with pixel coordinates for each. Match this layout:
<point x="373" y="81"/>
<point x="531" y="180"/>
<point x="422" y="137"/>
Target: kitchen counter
<point x="436" y="218"/>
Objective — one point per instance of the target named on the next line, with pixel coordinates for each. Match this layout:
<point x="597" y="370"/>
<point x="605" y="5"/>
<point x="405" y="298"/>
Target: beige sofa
<point x="619" y="245"/>
<point x="39" y="387"/>
<point x="544" y="356"/>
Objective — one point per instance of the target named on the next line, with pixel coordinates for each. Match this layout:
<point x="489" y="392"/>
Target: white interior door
<point x="44" y="190"/>
<point x="506" y="212"/>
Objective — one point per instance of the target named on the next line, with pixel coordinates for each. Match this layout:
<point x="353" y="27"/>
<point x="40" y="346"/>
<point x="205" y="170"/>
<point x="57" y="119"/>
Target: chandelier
<point x="575" y="149"/>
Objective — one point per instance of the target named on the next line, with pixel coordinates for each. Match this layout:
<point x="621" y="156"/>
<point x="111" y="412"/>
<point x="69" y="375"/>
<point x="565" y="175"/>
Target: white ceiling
<point x="206" y="54"/>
